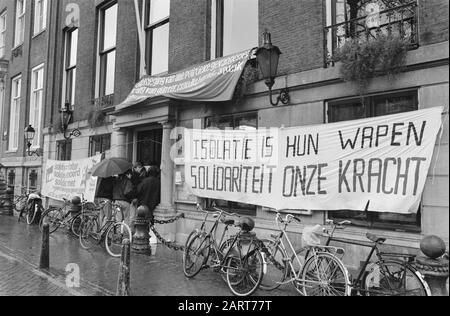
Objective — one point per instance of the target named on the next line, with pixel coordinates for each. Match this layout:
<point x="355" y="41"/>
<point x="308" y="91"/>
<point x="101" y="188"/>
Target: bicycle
<point x="239" y="257"/>
<point x="31" y="205"/>
<point x="320" y="273"/>
<point x="61" y="216"/>
<point x="392" y="274"/>
<point x="112" y="232"/>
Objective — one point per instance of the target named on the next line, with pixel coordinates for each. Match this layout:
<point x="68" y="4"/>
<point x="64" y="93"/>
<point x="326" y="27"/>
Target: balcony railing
<point x="104" y="102"/>
<point x="399" y="21"/>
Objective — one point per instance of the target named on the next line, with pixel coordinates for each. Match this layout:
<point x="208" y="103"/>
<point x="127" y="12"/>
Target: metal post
<point x="123" y="284"/>
<point x="44" y="262"/>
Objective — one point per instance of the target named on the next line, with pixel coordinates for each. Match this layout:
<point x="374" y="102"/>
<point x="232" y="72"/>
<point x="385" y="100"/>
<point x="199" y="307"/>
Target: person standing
<point x="123" y="193"/>
<point x="105" y="194"/>
<point x="148" y="191"/>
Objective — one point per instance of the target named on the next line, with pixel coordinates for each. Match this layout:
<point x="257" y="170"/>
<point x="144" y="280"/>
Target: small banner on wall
<point x="340" y="166"/>
<point x="212" y="81"/>
<point x="66" y="179"/>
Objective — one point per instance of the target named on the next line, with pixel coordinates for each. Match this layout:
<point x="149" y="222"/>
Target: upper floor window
<point x="234" y="26"/>
<point x="372" y="106"/>
<point x="107" y="50"/>
<point x="64" y="150"/>
<point x="14" y="119"/>
<point x="37" y="94"/>
<point x="40" y="16"/>
<point x="70" y="66"/>
<point x="367" y="19"/>
<point x="99" y="144"/>
<point x="19" y="34"/>
<point x="157" y="34"/>
<point x="3" y="22"/>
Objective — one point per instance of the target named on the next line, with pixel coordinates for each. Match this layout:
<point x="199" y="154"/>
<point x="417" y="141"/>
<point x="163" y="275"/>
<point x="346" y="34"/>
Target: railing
<point x="104" y="102"/>
<point x="399" y="21"/>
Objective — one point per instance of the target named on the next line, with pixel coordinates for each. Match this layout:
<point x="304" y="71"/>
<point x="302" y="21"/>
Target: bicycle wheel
<point x="298" y="262"/>
<point x="53" y="218"/>
<point x="277" y="267"/>
<point x="325" y="275"/>
<point x="75" y="225"/>
<point x="195" y="255"/>
<point x="245" y="273"/>
<point x="114" y="238"/>
<point x="393" y="278"/>
<point x="88" y="228"/>
<point x="31" y="213"/>
<point x="224" y="249"/>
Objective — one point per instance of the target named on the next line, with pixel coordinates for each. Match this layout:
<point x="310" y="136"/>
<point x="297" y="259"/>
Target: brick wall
<point x="433" y="21"/>
<point x="297" y="29"/>
<point x="188" y="33"/>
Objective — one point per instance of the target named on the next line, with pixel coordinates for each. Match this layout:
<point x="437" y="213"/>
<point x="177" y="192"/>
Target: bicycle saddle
<point x="228" y="222"/>
<point x="375" y="238"/>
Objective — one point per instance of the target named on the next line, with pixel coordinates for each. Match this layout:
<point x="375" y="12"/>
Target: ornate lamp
<point x="268" y="57"/>
<point x="66" y="118"/>
<point x="30" y="132"/>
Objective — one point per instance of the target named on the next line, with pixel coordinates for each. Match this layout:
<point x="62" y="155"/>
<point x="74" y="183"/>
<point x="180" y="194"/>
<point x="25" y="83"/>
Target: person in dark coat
<point x="148" y="191"/>
<point x="123" y="193"/>
<point x="139" y="174"/>
<point x="105" y="194"/>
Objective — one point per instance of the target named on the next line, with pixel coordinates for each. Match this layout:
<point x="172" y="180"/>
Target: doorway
<point x="149" y="146"/>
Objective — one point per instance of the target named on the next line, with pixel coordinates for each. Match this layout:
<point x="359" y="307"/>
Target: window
<point x="64" y="150"/>
<point x="16" y="88"/>
<point x="366" y="20"/>
<point x="372" y="106"/>
<point x="157" y="34"/>
<point x="11" y="178"/>
<point x="107" y="50"/>
<point x="20" y="22"/>
<point x="32" y="180"/>
<point x="40" y="16"/>
<point x="99" y="144"/>
<point x="37" y="94"/>
<point x="234" y="26"/>
<point x="70" y="66"/>
<point x="3" y="22"/>
<point x="244" y="121"/>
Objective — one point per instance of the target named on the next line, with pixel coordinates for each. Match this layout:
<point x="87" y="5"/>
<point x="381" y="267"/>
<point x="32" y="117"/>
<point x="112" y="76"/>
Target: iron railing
<point x="400" y="21"/>
<point x="104" y="102"/>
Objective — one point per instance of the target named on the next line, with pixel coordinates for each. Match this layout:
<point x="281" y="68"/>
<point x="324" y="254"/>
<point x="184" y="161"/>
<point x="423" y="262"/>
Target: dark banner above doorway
<point x="212" y="81"/>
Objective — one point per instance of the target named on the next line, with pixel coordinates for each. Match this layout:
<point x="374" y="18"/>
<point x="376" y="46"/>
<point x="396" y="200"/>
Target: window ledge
<point x="39" y="33"/>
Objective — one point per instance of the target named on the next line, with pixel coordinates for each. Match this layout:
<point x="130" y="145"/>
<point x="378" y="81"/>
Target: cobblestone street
<point x="158" y="275"/>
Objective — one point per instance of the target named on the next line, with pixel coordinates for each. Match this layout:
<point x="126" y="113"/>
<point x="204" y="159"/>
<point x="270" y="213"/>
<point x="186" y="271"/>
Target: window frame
<point x="70" y="70"/>
<point x="218" y="27"/>
<point x="3" y="34"/>
<point x="102" y="138"/>
<point x="149" y="30"/>
<point x="372" y="220"/>
<point x="14" y="115"/>
<point x="19" y="30"/>
<point x="40" y="17"/>
<point x="64" y="150"/>
<point x="103" y="54"/>
<point x="37" y="108"/>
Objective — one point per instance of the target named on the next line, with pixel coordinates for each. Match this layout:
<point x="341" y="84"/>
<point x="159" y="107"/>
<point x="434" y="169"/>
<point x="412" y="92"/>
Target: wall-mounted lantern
<point x="66" y="118"/>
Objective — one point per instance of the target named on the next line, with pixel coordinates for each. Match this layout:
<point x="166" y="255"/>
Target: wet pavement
<point x="160" y="274"/>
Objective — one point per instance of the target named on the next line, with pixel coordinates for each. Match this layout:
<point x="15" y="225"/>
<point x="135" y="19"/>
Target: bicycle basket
<point x="311" y="236"/>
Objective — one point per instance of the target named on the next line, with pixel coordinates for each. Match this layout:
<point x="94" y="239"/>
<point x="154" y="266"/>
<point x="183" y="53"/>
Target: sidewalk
<point x="158" y="275"/>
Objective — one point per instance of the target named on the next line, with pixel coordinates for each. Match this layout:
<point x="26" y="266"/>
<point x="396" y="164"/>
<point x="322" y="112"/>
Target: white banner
<point x="340" y="166"/>
<point x="66" y="179"/>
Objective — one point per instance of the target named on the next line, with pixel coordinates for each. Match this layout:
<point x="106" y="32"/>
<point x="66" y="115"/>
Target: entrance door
<point x="149" y="145"/>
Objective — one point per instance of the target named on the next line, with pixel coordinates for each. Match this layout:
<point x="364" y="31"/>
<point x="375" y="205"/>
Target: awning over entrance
<point x="212" y="81"/>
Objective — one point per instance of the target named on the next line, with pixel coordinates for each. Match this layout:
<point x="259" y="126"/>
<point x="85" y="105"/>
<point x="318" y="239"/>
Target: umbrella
<point x="111" y="167"/>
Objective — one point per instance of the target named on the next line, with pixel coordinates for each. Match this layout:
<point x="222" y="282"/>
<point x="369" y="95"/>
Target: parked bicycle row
<point x="80" y="217"/>
<point x="248" y="263"/>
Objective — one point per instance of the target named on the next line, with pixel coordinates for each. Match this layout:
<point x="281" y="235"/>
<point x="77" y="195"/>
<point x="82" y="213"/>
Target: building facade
<point x="93" y="54"/>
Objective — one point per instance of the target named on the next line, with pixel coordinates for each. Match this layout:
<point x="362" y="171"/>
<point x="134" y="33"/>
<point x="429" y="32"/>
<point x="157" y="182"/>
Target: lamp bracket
<point x="283" y="97"/>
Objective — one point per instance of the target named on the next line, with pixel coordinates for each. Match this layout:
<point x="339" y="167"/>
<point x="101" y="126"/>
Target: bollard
<point x="141" y="238"/>
<point x="44" y="262"/>
<point x="123" y="284"/>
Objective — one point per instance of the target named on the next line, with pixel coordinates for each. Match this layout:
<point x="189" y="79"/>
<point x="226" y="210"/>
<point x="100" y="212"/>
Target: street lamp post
<point x="66" y="117"/>
<point x="268" y="57"/>
<point x="30" y="133"/>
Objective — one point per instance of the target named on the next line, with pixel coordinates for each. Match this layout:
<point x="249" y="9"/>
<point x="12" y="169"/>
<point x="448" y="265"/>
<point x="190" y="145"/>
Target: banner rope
<point x="441" y="134"/>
